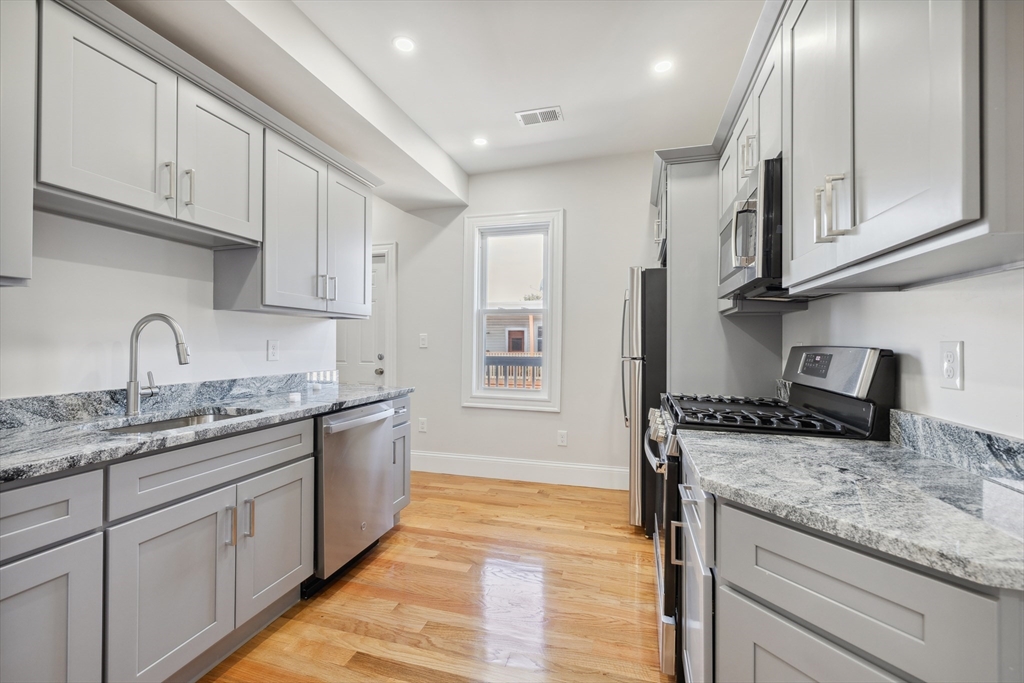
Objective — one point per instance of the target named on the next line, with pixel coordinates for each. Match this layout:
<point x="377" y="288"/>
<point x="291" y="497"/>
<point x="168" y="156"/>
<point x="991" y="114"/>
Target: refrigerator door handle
<point x="625" y="312"/>
<point x="622" y="379"/>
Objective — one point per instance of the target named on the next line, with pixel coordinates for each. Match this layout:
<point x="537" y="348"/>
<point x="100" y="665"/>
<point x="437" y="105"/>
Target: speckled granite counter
<point x="45" y="446"/>
<point x="876" y="494"/>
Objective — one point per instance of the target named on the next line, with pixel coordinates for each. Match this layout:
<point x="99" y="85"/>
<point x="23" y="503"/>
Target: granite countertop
<point x="47" y="447"/>
<point x="873" y="493"/>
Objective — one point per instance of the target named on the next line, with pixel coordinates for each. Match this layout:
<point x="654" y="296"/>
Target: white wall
<point x="607" y="229"/>
<point x="68" y="331"/>
<point x="986" y="313"/>
<point x="710" y="353"/>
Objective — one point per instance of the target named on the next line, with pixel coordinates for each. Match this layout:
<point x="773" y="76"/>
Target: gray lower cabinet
<point x="755" y="644"/>
<point x="275" y="537"/>
<point x="51" y="615"/>
<point x="170" y="586"/>
<point x="401" y="463"/>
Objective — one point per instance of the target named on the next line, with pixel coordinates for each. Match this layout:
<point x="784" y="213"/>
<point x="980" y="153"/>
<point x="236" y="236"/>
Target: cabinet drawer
<point x="35" y="516"/>
<point x="755" y="644"/>
<point x="926" y="627"/>
<point x="401" y="406"/>
<point x="145" y="483"/>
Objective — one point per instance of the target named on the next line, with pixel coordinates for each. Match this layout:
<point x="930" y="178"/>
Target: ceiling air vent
<point x="532" y="117"/>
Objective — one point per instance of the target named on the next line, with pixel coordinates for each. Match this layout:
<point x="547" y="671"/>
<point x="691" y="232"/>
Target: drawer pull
<point x="234" y="526"/>
<point x="673" y="555"/>
<point x="252" y="517"/>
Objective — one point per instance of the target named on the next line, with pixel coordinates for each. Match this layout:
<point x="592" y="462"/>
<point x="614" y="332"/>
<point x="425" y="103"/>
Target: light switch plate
<point x="273" y="349"/>
<point x="423" y="340"/>
<point x="952" y="365"/>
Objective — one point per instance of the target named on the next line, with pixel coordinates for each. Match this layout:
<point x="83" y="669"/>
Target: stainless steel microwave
<point x="750" y="239"/>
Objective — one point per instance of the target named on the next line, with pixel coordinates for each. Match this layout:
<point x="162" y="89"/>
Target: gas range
<point x="834" y="391"/>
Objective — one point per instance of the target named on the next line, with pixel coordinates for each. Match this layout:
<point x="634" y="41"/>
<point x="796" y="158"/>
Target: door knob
<point x="379" y="371"/>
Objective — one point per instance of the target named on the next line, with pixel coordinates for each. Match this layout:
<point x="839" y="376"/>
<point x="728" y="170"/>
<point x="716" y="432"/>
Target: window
<point x="513" y="300"/>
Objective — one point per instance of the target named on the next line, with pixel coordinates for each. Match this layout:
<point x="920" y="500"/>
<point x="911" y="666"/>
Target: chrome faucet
<point x="134" y="393"/>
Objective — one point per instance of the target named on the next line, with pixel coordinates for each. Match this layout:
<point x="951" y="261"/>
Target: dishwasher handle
<point x="358" y="422"/>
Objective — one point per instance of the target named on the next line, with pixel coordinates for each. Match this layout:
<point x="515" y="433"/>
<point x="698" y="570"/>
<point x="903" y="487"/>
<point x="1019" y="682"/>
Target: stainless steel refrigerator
<point x="643" y="351"/>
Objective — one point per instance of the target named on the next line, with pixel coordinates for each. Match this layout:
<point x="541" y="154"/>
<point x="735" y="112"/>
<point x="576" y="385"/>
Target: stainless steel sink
<point x="198" y="417"/>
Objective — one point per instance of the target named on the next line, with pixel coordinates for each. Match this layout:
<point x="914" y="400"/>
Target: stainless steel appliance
<point x="750" y="238"/>
<point x="643" y="375"/>
<point x="834" y="392"/>
<point x="354" y="487"/>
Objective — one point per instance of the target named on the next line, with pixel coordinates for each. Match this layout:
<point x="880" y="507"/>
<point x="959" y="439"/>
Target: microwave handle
<point x="737" y="209"/>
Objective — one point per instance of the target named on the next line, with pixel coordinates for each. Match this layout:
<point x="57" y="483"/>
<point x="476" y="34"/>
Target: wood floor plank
<point x="483" y="580"/>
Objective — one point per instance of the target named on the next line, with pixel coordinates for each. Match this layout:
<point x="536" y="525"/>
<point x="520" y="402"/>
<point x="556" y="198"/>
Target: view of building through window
<point x="512" y="277"/>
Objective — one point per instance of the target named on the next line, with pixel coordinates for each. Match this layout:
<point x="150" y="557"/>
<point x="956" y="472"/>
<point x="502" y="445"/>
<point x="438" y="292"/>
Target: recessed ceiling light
<point x="662" y="67"/>
<point x="480" y="142"/>
<point x="404" y="44"/>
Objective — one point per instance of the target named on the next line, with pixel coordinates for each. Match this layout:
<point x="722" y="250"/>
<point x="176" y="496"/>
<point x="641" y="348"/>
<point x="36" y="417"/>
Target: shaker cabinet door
<point x="275" y="537"/>
<point x="816" y="126"/>
<point x="727" y="180"/>
<point x="51" y="615"/>
<point x="295" y="234"/>
<point x="348" y="244"/>
<point x="107" y="116"/>
<point x="916" y="122"/>
<point x="755" y="645"/>
<point x="220" y="165"/>
<point x="401" y="465"/>
<point x="744" y="145"/>
<point x="766" y="105"/>
<point x="170" y="587"/>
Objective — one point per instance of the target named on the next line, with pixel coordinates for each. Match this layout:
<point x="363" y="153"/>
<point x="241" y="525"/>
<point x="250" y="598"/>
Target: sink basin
<point x="196" y="417"/>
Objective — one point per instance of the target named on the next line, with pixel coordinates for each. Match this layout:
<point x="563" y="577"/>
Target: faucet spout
<point x="132" y="407"/>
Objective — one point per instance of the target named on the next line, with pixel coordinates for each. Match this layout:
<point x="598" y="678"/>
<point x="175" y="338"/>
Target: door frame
<point x="389" y="250"/>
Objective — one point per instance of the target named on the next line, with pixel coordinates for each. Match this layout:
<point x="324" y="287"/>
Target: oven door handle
<point x="658" y="465"/>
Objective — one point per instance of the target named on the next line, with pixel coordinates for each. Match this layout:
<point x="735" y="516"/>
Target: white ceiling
<point x="476" y="63"/>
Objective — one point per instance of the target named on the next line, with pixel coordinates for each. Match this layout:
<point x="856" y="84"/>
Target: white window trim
<point x="474" y="396"/>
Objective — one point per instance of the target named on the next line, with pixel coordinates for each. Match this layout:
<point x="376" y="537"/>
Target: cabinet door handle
<point x="321" y="279"/>
<point x="674" y="531"/>
<point x="819" y="238"/>
<point x="335" y="281"/>
<point x="829" y="220"/>
<point x="752" y="161"/>
<point x="191" y="173"/>
<point x="234" y="525"/>
<point x="172" y="181"/>
<point x="251" y="502"/>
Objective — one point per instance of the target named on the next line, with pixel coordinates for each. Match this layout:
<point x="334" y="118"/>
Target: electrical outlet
<point x="952" y="354"/>
<point x="423" y="424"/>
<point x="563" y="438"/>
<point x="273" y="349"/>
<point x="423" y="340"/>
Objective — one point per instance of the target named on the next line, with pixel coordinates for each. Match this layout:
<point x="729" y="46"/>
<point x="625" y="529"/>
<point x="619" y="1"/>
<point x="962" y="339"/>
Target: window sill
<point x="506" y="403"/>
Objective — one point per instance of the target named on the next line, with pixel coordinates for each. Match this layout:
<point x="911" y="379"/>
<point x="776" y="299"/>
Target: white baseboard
<point x="541" y="471"/>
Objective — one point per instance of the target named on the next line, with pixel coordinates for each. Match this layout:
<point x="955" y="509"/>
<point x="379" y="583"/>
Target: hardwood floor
<point x="484" y="580"/>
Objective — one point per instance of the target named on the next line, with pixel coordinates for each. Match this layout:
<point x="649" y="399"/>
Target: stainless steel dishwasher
<point x="354" y="501"/>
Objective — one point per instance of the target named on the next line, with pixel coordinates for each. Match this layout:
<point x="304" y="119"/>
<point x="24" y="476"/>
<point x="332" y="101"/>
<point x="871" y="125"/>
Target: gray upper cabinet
<point x="882" y="140"/>
<point x="295" y="239"/>
<point x="170" y="586"/>
<point x="51" y="615"/>
<point x="349" y="246"/>
<point x="916" y="128"/>
<point x="816" y="125"/>
<point x="766" y="106"/>
<point x="727" y="178"/>
<point x="17" y="138"/>
<point x="744" y="145"/>
<point x="220" y="165"/>
<point x="107" y="116"/>
<point x="275" y="537"/>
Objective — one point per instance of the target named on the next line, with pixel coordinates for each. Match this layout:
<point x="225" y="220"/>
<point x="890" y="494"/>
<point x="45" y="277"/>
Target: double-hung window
<point x="513" y="311"/>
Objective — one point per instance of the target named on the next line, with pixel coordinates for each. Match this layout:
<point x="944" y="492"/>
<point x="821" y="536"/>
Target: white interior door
<point x="361" y="343"/>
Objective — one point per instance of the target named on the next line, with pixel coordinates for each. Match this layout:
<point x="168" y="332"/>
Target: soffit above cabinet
<point x="273" y="52"/>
